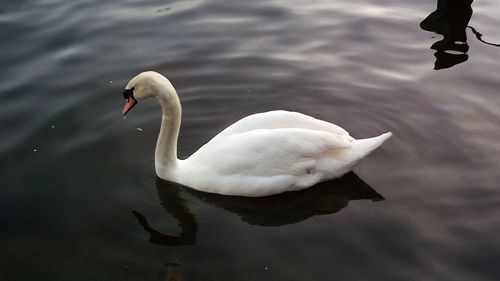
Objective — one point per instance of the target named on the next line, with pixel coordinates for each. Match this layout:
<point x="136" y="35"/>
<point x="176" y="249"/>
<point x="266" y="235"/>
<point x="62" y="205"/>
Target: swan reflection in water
<point x="287" y="208"/>
<point x="450" y="19"/>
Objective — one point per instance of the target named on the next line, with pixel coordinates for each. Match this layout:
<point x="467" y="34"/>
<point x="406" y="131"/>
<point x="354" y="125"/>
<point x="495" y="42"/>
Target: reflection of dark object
<point x="291" y="207"/>
<point x="187" y="236"/>
<point x="480" y="35"/>
<point x="447" y="60"/>
<point x="286" y="208"/>
<point x="450" y="19"/>
<point x="173" y="204"/>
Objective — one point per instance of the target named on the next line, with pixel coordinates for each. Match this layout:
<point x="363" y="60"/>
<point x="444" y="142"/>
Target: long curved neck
<point x="166" y="147"/>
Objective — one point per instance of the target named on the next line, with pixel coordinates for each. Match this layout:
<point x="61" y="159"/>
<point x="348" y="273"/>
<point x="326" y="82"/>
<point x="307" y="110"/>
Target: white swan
<point x="261" y="154"/>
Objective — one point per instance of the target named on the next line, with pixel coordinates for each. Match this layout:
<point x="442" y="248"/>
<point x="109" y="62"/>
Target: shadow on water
<point x="450" y="19"/>
<point x="324" y="198"/>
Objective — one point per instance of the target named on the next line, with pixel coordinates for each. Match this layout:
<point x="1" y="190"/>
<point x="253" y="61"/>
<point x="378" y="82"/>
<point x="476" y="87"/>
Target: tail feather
<point x="363" y="147"/>
<point x="335" y="165"/>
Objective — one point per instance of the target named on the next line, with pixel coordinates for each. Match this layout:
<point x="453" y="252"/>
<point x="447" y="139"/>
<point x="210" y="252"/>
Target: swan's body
<point x="259" y="155"/>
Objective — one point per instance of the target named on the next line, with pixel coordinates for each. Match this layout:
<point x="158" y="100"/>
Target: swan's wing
<point x="280" y="119"/>
<point x="268" y="152"/>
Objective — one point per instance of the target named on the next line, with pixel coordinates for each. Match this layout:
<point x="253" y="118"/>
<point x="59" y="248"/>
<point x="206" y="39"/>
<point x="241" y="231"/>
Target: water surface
<point x="79" y="197"/>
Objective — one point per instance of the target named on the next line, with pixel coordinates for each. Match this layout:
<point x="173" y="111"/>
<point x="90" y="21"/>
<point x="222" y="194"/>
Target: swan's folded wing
<point x="269" y="152"/>
<point x="280" y="119"/>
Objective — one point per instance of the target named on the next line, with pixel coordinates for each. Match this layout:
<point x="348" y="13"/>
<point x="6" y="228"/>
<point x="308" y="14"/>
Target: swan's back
<point x="274" y="152"/>
<point x="281" y="119"/>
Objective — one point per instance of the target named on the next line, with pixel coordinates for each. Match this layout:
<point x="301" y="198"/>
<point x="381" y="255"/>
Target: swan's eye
<point x="127" y="93"/>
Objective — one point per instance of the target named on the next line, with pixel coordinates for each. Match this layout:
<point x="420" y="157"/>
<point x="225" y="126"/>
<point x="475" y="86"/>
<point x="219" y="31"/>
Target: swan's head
<point x="145" y="85"/>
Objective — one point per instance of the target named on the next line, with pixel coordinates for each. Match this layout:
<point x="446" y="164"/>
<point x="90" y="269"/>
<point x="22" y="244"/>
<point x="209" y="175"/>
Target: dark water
<point x="79" y="197"/>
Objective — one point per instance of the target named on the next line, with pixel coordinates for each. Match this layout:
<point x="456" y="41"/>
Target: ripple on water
<point x="73" y="169"/>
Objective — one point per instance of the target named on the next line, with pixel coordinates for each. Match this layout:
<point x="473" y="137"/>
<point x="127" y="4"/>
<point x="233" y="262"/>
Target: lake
<point x="79" y="198"/>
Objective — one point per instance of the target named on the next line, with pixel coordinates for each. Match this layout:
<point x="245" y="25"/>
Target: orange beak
<point x="131" y="102"/>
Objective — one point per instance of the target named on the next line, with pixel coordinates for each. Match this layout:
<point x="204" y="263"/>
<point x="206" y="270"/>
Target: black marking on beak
<point x="127" y="93"/>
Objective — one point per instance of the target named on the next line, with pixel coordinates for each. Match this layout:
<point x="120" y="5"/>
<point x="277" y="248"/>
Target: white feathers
<point x="259" y="162"/>
<point x="261" y="154"/>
